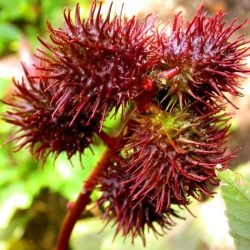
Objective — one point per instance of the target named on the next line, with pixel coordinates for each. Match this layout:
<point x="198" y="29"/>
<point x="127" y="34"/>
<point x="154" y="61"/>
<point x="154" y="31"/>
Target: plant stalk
<point x="82" y="201"/>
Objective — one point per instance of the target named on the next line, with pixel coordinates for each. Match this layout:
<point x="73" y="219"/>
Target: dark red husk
<point x="200" y="59"/>
<point x="130" y="217"/>
<point x="98" y="63"/>
<point x="176" y="163"/>
<point x="38" y="130"/>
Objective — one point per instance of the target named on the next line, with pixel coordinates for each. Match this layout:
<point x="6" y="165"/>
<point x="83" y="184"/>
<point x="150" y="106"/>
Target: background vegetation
<point x="33" y="201"/>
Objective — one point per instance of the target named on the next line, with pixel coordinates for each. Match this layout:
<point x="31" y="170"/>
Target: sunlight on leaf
<point x="236" y="193"/>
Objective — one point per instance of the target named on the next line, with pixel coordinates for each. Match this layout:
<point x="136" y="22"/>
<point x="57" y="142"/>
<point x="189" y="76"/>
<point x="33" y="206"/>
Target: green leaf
<point x="236" y="194"/>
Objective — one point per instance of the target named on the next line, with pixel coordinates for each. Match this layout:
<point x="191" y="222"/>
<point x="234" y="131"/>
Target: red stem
<point x="82" y="201"/>
<point x="111" y="142"/>
<point x="168" y="74"/>
<point x="84" y="197"/>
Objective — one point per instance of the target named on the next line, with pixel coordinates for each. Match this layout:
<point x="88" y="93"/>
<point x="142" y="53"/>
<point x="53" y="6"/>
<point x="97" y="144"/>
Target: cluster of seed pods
<point x="175" y="81"/>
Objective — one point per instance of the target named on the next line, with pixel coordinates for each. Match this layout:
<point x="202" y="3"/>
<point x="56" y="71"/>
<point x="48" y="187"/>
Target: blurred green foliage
<point x="27" y="18"/>
<point x="236" y="193"/>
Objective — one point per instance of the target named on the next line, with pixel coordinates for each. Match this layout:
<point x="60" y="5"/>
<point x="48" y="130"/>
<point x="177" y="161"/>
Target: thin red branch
<point x="82" y="201"/>
<point x="111" y="142"/>
<point x="168" y="74"/>
<point x="84" y="197"/>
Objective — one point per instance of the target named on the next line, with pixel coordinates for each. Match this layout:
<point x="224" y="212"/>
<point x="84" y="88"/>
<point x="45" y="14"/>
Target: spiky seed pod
<point x="31" y="112"/>
<point x="172" y="156"/>
<point x="200" y="61"/>
<point x="98" y="63"/>
<point x="131" y="217"/>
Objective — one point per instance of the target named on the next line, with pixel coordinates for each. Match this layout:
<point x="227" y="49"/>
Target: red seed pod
<point x="98" y="63"/>
<point x="172" y="156"/>
<point x="31" y="111"/>
<point x="131" y="217"/>
<point x="200" y="60"/>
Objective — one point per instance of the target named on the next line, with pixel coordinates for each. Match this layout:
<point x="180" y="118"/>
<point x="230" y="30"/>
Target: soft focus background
<point x="33" y="201"/>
